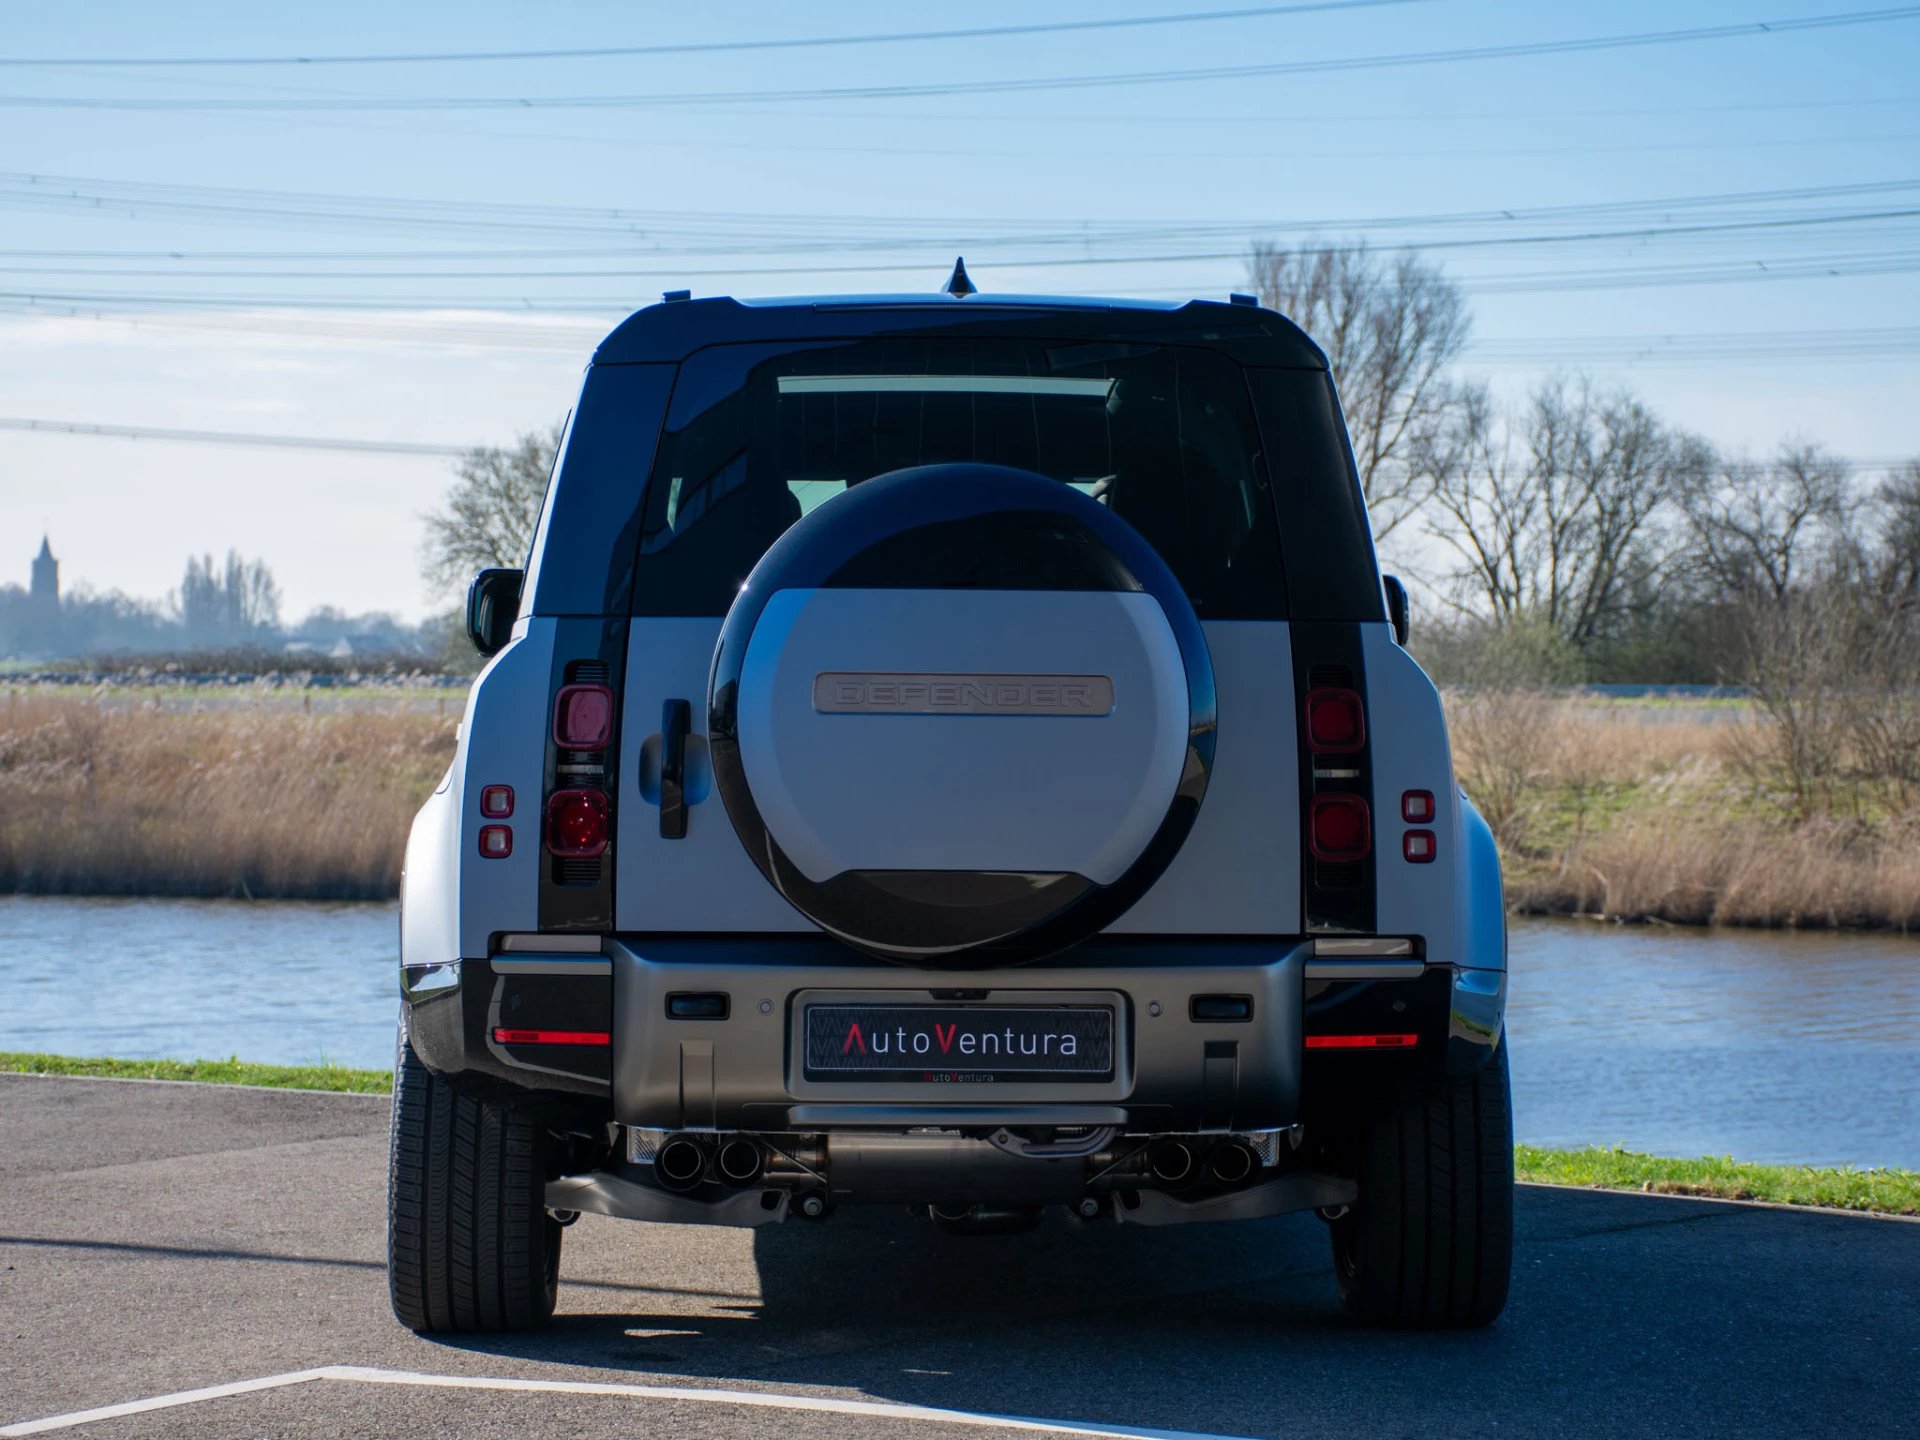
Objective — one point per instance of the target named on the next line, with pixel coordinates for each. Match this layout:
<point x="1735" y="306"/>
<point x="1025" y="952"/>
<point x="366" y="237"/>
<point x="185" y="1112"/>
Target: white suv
<point x="951" y="750"/>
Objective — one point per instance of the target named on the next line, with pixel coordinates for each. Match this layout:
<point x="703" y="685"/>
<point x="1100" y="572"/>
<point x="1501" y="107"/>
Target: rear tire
<point x="1429" y="1242"/>
<point x="469" y="1242"/>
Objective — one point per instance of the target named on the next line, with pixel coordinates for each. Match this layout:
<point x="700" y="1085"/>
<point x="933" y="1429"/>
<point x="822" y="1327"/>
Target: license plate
<point x="959" y="1044"/>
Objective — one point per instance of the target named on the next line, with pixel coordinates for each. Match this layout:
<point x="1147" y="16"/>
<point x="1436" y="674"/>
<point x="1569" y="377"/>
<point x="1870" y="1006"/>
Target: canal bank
<point x="1791" y="1048"/>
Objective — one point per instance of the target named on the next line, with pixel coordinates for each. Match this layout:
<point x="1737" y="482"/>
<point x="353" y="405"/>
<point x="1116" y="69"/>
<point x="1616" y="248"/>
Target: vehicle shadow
<point x="1098" y="1323"/>
<point x="1627" y="1311"/>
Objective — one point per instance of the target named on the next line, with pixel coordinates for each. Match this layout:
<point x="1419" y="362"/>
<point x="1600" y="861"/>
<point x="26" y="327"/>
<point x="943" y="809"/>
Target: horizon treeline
<point x="1575" y="533"/>
<point x="231" y="607"/>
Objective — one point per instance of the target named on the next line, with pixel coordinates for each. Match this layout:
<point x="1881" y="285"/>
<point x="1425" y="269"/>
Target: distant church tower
<point x="45" y="594"/>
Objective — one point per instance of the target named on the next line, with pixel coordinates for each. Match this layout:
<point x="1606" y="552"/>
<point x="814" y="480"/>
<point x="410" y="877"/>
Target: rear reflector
<point x="496" y="801"/>
<point x="496" y="841"/>
<point x="504" y="1036"/>
<point x="577" y="823"/>
<point x="1416" y="807"/>
<point x="1339" y="827"/>
<point x="583" y="717"/>
<point x="1418" y="847"/>
<point x="1362" y="1042"/>
<point x="1336" y="722"/>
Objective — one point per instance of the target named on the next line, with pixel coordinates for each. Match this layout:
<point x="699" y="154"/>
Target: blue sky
<point x="205" y="268"/>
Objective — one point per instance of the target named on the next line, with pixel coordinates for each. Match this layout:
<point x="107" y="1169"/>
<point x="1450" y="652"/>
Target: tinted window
<point x="583" y="552"/>
<point x="759" y="435"/>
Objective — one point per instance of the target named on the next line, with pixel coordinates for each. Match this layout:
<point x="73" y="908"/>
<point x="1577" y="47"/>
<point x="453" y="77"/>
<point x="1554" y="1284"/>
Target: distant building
<point x="44" y="596"/>
<point x="31" y="625"/>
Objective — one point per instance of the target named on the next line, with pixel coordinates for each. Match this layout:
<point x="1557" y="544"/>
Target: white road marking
<point x="761" y="1399"/>
<point x="766" y="1399"/>
<point x="163" y="1402"/>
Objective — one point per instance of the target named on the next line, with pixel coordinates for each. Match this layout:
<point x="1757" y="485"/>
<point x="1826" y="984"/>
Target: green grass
<point x="214" y="1072"/>
<point x="1882" y="1192"/>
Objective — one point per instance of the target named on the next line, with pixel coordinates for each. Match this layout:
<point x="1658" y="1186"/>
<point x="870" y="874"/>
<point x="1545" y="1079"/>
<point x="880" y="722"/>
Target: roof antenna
<point x="958" y="285"/>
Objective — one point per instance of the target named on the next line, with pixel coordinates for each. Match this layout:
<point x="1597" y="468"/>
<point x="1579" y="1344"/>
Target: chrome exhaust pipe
<point x="1232" y="1162"/>
<point x="681" y="1163"/>
<point x="740" y="1162"/>
<point x="1170" y="1162"/>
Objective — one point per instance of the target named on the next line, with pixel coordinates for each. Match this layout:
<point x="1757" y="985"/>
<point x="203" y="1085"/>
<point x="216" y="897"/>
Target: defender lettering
<point x="841" y="693"/>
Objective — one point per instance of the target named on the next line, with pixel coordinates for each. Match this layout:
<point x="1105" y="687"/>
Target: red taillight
<point x="1362" y="1042"/>
<point x="496" y="841"/>
<point x="1336" y="722"/>
<point x="1418" y="847"/>
<point x="504" y="1036"/>
<point x="496" y="801"/>
<point x="577" y="823"/>
<point x="1416" y="807"/>
<point x="583" y="717"/>
<point x="1339" y="827"/>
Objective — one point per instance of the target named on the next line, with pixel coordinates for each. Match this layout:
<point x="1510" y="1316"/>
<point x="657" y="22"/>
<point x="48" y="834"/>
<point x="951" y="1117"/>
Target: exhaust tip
<point x="1170" y="1162"/>
<point x="740" y="1162"/>
<point x="1231" y="1163"/>
<point x="680" y="1163"/>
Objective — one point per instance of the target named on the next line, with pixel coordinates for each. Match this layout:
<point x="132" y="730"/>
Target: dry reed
<point x="1656" y="813"/>
<point x="238" y="798"/>
<point x="1614" y="810"/>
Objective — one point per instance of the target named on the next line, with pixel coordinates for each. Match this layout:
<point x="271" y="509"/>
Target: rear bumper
<point x="1173" y="1072"/>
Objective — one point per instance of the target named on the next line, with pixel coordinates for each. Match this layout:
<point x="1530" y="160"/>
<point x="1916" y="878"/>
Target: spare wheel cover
<point x="961" y="715"/>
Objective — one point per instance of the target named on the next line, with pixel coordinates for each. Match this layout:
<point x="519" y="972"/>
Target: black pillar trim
<point x="1334" y="898"/>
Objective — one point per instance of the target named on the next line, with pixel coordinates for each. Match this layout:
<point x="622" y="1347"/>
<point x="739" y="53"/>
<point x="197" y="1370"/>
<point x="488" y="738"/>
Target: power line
<point x="556" y="336"/>
<point x="1218" y="118"/>
<point x="1004" y="86"/>
<point x="227" y="437"/>
<point x="1743" y="267"/>
<point x="703" y="47"/>
<point x="649" y="231"/>
<point x="1289" y="152"/>
<point x="381" y="447"/>
<point x="1721" y="347"/>
<point x="668" y="270"/>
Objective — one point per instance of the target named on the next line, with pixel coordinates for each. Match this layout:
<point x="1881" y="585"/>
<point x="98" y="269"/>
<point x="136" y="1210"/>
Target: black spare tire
<point x="961" y="715"/>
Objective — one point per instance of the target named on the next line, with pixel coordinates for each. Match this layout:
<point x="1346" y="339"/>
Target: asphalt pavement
<point x="157" y="1239"/>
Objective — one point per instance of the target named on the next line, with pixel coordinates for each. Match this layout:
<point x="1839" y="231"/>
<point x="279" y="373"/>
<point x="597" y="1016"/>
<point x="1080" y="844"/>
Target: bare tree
<point x="1896" y="515"/>
<point x="1390" y="329"/>
<point x="1554" y="513"/>
<point x="489" y="516"/>
<point x="1485" y="505"/>
<point x="1756" y="530"/>
<point x="229" y="605"/>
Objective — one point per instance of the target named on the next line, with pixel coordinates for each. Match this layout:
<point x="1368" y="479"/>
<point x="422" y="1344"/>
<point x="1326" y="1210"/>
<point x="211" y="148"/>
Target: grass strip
<point x="1879" y="1192"/>
<point x="213" y="1072"/>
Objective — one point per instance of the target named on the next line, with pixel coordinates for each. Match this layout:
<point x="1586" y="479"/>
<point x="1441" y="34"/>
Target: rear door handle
<point x="675" y="719"/>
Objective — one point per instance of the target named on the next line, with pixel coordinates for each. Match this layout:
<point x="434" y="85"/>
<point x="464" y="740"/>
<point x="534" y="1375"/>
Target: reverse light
<point x="1336" y="721"/>
<point x="583" y="717"/>
<point x="577" y="823"/>
<point x="1362" y="1042"/>
<point x="496" y="841"/>
<point x="1339" y="827"/>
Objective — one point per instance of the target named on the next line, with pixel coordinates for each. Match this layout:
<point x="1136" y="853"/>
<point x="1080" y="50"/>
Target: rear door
<point x="758" y="435"/>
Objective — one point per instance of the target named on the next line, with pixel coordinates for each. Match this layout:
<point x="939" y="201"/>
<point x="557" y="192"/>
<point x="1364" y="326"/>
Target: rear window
<point x="757" y="436"/>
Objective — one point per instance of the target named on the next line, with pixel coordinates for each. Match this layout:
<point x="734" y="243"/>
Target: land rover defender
<point x="952" y="751"/>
